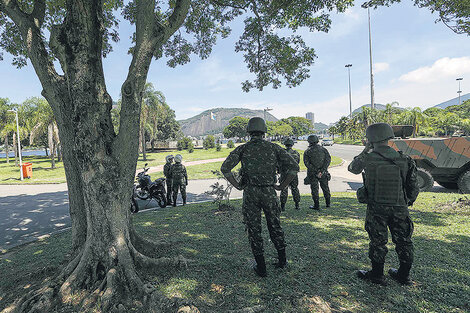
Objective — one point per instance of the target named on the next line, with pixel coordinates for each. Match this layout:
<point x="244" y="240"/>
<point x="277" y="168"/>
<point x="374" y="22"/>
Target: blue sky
<point x="416" y="63"/>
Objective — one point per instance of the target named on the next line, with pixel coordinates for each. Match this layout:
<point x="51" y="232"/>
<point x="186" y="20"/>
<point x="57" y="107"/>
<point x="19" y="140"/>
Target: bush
<point x="184" y="143"/>
<point x="218" y="147"/>
<point x="209" y="142"/>
<point x="190" y="147"/>
<point x="230" y="144"/>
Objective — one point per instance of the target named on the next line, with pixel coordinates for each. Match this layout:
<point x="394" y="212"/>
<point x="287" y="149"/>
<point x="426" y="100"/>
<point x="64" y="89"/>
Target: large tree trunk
<point x="7" y="149"/>
<point x="99" y="165"/>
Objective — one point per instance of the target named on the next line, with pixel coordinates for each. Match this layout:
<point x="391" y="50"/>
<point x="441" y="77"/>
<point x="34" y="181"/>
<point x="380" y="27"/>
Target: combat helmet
<point x="289" y="142"/>
<point x="312" y="139"/>
<point x="169" y="157"/>
<point x="178" y="158"/>
<point x="256" y="124"/>
<point x="379" y="132"/>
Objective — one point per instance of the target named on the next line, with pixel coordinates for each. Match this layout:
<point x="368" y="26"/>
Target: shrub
<point x="230" y="144"/>
<point x="218" y="147"/>
<point x="184" y="143"/>
<point x="190" y="147"/>
<point x="209" y="142"/>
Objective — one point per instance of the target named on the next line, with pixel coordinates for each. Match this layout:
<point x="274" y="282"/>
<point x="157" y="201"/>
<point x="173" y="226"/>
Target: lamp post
<point x="349" y="78"/>
<point x="460" y="91"/>
<point x="372" y="103"/>
<point x="266" y="110"/>
<point x="18" y="140"/>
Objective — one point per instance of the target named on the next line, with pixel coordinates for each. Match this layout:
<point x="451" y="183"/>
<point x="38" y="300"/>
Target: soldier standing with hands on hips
<point x="260" y="160"/>
<point x="294" y="185"/>
<point x="166" y="172"/>
<point x="317" y="159"/>
<point x="390" y="186"/>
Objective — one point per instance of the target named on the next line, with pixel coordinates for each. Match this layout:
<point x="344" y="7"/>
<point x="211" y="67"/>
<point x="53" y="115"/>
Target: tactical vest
<point x="384" y="180"/>
<point x="259" y="163"/>
<point x="177" y="172"/>
<point x="166" y="169"/>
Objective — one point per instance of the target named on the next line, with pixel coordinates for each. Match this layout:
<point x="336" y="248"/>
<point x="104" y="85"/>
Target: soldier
<point x="294" y="185"/>
<point x="166" y="172"/>
<point x="179" y="179"/>
<point x="390" y="186"/>
<point x="317" y="159"/>
<point x="260" y="159"/>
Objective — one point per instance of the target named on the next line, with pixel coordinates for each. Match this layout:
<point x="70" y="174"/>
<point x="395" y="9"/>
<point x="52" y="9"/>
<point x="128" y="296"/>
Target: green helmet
<point x="289" y="142"/>
<point x="379" y="132"/>
<point x="312" y="139"/>
<point x="256" y="124"/>
<point x="178" y="158"/>
<point x="169" y="158"/>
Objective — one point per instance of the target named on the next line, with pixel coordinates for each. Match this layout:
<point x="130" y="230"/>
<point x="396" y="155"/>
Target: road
<point x="28" y="212"/>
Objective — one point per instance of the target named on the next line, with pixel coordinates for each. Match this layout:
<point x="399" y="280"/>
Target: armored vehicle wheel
<point x="425" y="180"/>
<point x="448" y="184"/>
<point x="464" y="182"/>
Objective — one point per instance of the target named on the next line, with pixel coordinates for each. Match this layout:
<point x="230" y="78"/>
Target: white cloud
<point x="442" y="68"/>
<point x="381" y="67"/>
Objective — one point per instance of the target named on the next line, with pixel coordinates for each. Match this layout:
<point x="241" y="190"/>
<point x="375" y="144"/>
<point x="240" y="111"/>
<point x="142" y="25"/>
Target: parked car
<point x="327" y="142"/>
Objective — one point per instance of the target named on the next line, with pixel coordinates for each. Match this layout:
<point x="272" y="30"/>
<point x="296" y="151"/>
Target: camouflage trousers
<point x="294" y="187"/>
<point x="323" y="185"/>
<point x="255" y="199"/>
<point x="169" y="188"/>
<point x="178" y="186"/>
<point x="395" y="218"/>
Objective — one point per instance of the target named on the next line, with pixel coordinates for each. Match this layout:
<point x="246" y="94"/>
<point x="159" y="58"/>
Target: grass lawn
<point x="348" y="141"/>
<point x="325" y="249"/>
<point x="43" y="174"/>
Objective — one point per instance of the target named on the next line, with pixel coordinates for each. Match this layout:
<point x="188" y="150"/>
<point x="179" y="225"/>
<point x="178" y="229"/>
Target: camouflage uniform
<point x="169" y="182"/>
<point x="317" y="159"/>
<point x="179" y="179"/>
<point x="391" y="208"/>
<point x="294" y="185"/>
<point x="260" y="159"/>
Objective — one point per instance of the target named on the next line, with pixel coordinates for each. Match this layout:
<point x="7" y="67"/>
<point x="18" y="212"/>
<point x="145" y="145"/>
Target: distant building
<point x="311" y="117"/>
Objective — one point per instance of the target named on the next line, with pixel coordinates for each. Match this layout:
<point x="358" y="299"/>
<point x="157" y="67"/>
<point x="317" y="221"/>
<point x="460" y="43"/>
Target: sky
<point x="416" y="63"/>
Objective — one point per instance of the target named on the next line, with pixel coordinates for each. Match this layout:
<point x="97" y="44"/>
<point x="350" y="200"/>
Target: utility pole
<point x="349" y="77"/>
<point x="266" y="110"/>
<point x="460" y="91"/>
<point x="372" y="103"/>
<point x="19" y="144"/>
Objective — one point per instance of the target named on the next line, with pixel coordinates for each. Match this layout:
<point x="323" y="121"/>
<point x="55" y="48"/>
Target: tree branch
<point x="178" y="16"/>
<point x="39" y="12"/>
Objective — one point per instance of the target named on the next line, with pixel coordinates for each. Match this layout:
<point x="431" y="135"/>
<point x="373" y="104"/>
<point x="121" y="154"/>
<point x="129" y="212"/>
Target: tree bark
<point x="7" y="150"/>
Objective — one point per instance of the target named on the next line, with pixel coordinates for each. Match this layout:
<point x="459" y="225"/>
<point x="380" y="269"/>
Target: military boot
<point x="282" y="261"/>
<point x="297" y="207"/>
<point x="375" y="275"/>
<point x="328" y="201"/>
<point x="174" y="201"/>
<point x="184" y="200"/>
<point x="402" y="275"/>
<point x="316" y="205"/>
<point x="260" y="266"/>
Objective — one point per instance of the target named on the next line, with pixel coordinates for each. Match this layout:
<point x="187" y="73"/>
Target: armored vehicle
<point x="444" y="160"/>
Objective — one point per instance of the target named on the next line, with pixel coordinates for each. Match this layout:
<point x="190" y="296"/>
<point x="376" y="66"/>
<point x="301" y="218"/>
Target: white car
<point x="327" y="142"/>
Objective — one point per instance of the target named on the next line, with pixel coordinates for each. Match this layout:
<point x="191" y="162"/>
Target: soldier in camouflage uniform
<point x="179" y="179"/>
<point x="166" y="172"/>
<point x="390" y="186"/>
<point x="260" y="159"/>
<point x="317" y="159"/>
<point x="294" y="185"/>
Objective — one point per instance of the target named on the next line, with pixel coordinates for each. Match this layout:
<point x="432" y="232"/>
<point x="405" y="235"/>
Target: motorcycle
<point x="145" y="189"/>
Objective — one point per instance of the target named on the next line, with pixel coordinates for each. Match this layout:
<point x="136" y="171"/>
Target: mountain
<point x="454" y="101"/>
<point x="321" y="126"/>
<point x="202" y="124"/>
<point x="378" y="106"/>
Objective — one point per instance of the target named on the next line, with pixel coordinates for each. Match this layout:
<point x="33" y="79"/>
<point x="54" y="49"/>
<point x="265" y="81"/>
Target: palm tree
<point x="44" y="124"/>
<point x="151" y="101"/>
<point x="5" y="124"/>
<point x="389" y="111"/>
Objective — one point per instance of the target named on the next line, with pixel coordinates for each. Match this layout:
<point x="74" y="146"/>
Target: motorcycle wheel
<point x="140" y="193"/>
<point x="161" y="200"/>
<point x="134" y="206"/>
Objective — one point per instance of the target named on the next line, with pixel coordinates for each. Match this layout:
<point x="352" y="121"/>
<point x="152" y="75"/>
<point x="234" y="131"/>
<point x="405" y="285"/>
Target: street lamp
<point x="18" y="140"/>
<point x="460" y="91"/>
<point x="349" y="77"/>
<point x="266" y="110"/>
<point x="372" y="103"/>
